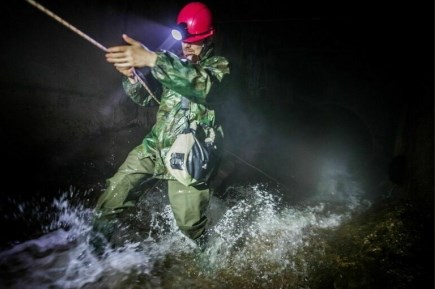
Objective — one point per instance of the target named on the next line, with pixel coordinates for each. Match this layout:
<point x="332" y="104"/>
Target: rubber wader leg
<point x="189" y="205"/>
<point x="121" y="192"/>
<point x="129" y="175"/>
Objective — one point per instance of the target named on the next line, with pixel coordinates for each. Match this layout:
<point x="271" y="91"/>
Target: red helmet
<point x="196" y="20"/>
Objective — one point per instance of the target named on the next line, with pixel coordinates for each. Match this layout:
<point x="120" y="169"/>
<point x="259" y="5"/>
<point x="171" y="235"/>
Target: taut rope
<point x="87" y="37"/>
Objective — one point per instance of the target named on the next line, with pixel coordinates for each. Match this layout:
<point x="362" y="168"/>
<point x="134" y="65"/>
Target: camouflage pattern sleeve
<point x="218" y="66"/>
<point x="190" y="80"/>
<point x="136" y="91"/>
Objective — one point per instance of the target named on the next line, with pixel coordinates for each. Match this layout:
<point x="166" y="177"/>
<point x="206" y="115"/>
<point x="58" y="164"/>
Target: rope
<point x="85" y="36"/>
<point x="257" y="169"/>
<point x="136" y="76"/>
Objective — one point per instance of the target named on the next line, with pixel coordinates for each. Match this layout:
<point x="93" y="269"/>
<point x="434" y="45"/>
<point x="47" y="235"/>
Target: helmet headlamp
<point x="179" y="32"/>
<point x="194" y="23"/>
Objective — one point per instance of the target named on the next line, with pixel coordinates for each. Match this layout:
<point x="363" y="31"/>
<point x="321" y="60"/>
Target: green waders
<point x="189" y="204"/>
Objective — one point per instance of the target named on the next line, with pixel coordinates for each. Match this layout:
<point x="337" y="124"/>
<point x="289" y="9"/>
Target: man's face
<point x="192" y="50"/>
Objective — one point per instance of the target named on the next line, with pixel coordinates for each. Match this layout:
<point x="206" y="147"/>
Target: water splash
<point x="252" y="238"/>
<point x="258" y="230"/>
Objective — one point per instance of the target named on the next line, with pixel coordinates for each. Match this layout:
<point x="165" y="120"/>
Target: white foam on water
<point x="250" y="230"/>
<point x="258" y="231"/>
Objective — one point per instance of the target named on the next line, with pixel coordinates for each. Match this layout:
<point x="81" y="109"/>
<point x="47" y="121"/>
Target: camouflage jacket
<point x="179" y="78"/>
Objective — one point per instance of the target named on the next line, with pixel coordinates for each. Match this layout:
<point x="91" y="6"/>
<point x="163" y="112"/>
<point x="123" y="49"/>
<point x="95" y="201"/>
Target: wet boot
<point x="201" y="241"/>
<point x="102" y="231"/>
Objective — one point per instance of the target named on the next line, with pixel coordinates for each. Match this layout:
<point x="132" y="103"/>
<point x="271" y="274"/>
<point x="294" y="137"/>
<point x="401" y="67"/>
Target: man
<point x="190" y="77"/>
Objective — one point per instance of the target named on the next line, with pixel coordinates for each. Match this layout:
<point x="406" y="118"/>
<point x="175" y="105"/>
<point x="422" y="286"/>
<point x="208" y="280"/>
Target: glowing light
<point x="177" y="34"/>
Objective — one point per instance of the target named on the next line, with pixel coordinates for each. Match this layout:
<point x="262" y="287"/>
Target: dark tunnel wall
<point x="310" y="83"/>
<point x="331" y="85"/>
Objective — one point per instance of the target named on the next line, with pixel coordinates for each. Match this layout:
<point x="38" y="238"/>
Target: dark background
<point x="311" y="81"/>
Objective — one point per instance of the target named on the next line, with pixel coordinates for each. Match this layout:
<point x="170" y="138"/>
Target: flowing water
<point x="254" y="240"/>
